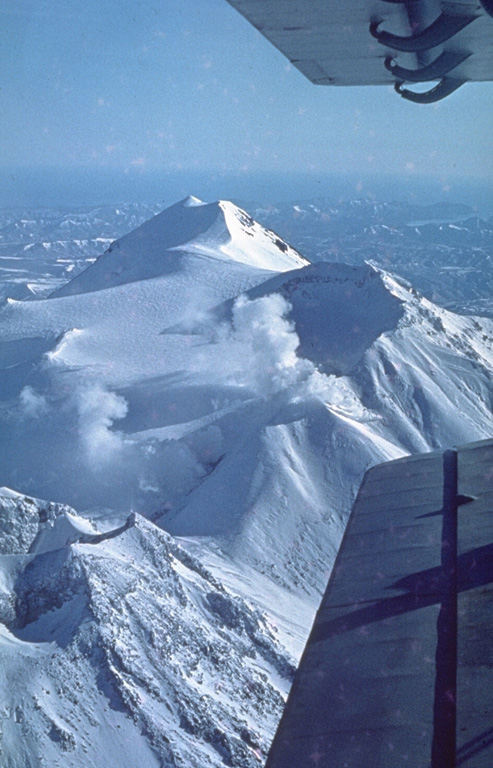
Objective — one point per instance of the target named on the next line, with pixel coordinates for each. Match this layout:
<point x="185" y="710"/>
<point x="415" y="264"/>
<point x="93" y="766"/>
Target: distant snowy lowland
<point x="184" y="426"/>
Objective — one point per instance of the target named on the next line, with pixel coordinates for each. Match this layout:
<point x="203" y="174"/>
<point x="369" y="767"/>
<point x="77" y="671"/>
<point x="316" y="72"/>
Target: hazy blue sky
<point x="140" y="86"/>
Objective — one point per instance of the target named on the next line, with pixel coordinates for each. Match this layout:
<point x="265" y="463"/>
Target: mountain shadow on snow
<point x="338" y="311"/>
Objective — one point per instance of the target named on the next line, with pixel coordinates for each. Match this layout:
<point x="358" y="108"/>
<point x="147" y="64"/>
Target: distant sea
<point x="61" y="187"/>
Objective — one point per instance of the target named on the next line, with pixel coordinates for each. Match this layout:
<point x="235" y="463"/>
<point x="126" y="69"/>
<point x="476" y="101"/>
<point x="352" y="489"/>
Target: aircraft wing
<point x="397" y="669"/>
<point x="379" y="42"/>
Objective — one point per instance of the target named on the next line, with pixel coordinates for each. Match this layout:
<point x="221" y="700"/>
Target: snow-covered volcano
<point x="206" y="384"/>
<point x="158" y="247"/>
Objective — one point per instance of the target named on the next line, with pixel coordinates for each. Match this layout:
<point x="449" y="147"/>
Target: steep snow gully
<point x="208" y="402"/>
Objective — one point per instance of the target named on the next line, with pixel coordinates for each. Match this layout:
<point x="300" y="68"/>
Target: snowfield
<point x="199" y="407"/>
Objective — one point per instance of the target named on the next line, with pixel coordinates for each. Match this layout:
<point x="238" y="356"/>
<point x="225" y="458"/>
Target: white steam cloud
<point x="97" y="409"/>
<point x="269" y="362"/>
<point x="33" y="405"/>
<point x="253" y="356"/>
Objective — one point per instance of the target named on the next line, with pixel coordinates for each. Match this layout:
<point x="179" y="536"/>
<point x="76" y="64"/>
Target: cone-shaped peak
<point x="188" y="228"/>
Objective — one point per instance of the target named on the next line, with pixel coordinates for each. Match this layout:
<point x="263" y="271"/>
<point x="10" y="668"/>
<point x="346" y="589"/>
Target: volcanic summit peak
<point x="191" y="201"/>
<point x="225" y="230"/>
<point x="170" y="240"/>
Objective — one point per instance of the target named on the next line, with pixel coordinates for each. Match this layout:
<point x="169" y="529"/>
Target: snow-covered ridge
<point x="189" y="228"/>
<point x="137" y="636"/>
<point x="42" y="249"/>
<point x="211" y="423"/>
<point x="27" y="524"/>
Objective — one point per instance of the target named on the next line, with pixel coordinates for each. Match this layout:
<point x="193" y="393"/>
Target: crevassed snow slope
<point x="122" y="649"/>
<point x="235" y="404"/>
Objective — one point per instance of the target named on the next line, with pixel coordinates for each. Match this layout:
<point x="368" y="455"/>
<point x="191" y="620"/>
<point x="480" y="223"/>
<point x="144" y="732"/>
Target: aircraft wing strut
<point x="381" y="42"/>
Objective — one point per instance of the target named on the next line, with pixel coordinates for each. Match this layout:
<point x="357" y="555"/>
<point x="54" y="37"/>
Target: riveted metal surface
<point x="330" y="43"/>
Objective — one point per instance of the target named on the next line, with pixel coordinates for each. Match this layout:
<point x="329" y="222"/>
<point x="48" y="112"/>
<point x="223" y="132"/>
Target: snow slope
<point x="405" y="377"/>
<point x="159" y="246"/>
<point x="209" y="403"/>
<point x="123" y="648"/>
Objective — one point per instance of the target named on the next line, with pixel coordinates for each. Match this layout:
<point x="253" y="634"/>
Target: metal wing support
<point x="381" y="42"/>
